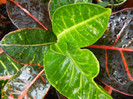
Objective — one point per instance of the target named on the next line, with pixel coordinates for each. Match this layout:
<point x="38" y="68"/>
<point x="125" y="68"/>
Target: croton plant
<point x="66" y="44"/>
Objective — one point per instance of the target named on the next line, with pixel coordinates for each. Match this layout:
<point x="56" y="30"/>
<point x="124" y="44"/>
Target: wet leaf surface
<point x="35" y="7"/>
<point x="28" y="46"/>
<point x="30" y="82"/>
<point x="68" y="68"/>
<point x="8" y="67"/>
<point x="80" y="25"/>
<point x="54" y="4"/>
<point x="115" y="52"/>
<point x="72" y="74"/>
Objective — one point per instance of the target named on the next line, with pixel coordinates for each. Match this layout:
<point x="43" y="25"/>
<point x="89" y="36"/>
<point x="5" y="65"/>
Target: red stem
<point x="110" y="48"/>
<point x="115" y="89"/>
<point x="25" y="91"/>
<point x="121" y="31"/>
<point x="126" y="66"/>
<point x="6" y="77"/>
<point x="108" y="89"/>
<point x="23" y="63"/>
<point x="106" y="58"/>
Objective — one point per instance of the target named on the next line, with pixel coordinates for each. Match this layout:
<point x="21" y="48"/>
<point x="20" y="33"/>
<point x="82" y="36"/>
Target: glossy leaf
<point x="54" y="4"/>
<point x="30" y="82"/>
<point x="19" y="12"/>
<point x="8" y="67"/>
<point x="115" y="53"/>
<point x="28" y="46"/>
<point x="80" y="25"/>
<point x="72" y="74"/>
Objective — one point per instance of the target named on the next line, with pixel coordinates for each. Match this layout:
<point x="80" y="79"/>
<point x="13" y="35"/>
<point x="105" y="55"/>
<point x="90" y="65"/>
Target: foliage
<point x="115" y="52"/>
<point x="68" y="67"/>
<point x="77" y="67"/>
<point x="54" y="4"/>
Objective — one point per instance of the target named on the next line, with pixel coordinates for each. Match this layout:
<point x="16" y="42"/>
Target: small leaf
<point x="114" y="51"/>
<point x="28" y="46"/>
<point x="54" y="4"/>
<point x="20" y="11"/>
<point x="72" y="74"/>
<point x="29" y="82"/>
<point x="80" y="25"/>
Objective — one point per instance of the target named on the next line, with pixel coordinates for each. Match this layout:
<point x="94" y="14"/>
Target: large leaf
<point x="30" y="82"/>
<point x="29" y="13"/>
<point x="28" y="46"/>
<point x="80" y="24"/>
<point x="54" y="4"/>
<point x="115" y="53"/>
<point x="8" y="67"/>
<point x="72" y="74"/>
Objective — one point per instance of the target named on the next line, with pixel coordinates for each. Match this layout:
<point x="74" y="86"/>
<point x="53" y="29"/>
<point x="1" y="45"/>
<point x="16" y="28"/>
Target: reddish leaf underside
<point x="115" y="53"/>
<point x="29" y="13"/>
<point x="30" y="82"/>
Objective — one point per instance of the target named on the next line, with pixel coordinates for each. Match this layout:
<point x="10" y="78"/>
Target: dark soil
<point x="5" y="24"/>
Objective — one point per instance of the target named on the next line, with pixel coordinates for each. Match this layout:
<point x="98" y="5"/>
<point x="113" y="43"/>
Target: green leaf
<point x="80" y="25"/>
<point x="72" y="74"/>
<point x="60" y="47"/>
<point x="28" y="46"/>
<point x="54" y="4"/>
<point x="30" y="82"/>
<point x="8" y="67"/>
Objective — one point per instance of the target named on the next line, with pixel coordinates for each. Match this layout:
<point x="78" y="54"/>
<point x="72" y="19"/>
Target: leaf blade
<point x="8" y="67"/>
<point x="54" y="4"/>
<point x="33" y="13"/>
<point x="29" y="82"/>
<point x="114" y="51"/>
<point x="69" y="28"/>
<point x="21" y="45"/>
<point x="72" y="74"/>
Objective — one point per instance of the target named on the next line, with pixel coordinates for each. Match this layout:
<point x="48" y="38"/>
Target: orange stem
<point x="108" y="89"/>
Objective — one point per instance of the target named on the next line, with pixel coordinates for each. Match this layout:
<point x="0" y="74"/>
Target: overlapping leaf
<point x="115" y="52"/>
<point x="54" y="4"/>
<point x="71" y="70"/>
<point x="8" y="67"/>
<point x="80" y="25"/>
<point x="72" y="74"/>
<point x="28" y="46"/>
<point x="20" y="11"/>
<point x="30" y="82"/>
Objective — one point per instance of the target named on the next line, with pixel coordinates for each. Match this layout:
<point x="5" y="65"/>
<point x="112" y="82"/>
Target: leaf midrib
<point x="75" y="63"/>
<point x="27" y="45"/>
<point x="83" y="22"/>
